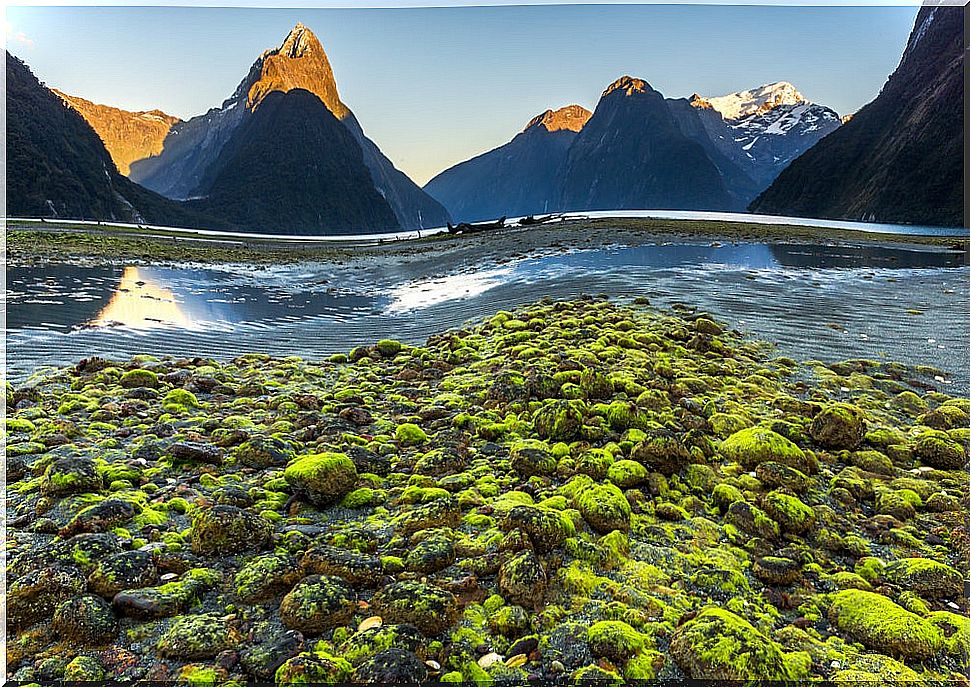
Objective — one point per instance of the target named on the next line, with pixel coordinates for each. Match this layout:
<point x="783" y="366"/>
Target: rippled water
<point x="829" y="303"/>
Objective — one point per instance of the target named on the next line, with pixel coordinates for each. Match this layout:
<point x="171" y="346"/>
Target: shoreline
<point x="75" y="243"/>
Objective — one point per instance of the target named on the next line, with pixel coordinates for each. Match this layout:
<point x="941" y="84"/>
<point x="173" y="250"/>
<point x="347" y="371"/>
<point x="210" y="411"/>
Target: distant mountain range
<point x="284" y="154"/>
<point x="639" y="150"/>
<point x="304" y="166"/>
<point x="900" y="158"/>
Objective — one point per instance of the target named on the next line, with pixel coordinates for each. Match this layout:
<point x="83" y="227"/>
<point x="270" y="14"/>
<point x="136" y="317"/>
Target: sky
<point x="435" y="86"/>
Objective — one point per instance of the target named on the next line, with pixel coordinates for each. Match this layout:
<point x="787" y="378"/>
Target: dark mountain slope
<point x="300" y="62"/>
<point x="294" y="166"/>
<point x="516" y="179"/>
<point x="900" y="158"/>
<point x="58" y="167"/>
<point x="632" y="154"/>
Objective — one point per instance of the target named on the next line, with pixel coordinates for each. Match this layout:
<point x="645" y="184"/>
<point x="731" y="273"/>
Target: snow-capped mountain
<point x="764" y="129"/>
<point x="755" y="101"/>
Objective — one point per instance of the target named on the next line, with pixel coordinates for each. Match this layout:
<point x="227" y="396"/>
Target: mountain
<point x="517" y="179"/>
<point x="633" y="154"/>
<point x="128" y="136"/>
<point x="294" y="144"/>
<point x="764" y="129"/>
<point x="57" y="166"/>
<point x="899" y="158"/>
<point x="300" y="63"/>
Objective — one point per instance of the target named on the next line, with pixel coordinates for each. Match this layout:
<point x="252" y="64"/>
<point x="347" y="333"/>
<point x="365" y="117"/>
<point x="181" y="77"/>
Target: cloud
<point x="18" y="36"/>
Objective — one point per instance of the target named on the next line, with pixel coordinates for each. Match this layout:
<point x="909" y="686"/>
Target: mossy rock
<point x="124" y="570"/>
<point x="431" y="554"/>
<point x="776" y="570"/>
<point x="838" y="426"/>
<point x="35" y="595"/>
<point x="139" y="379"/>
<point x="353" y="566"/>
<point x="875" y="669"/>
<point x="757" y="445"/>
<point x="263" y="577"/>
<point x="428" y="608"/>
<point x="71" y="475"/>
<point x="441" y="512"/>
<point x="532" y="459"/>
<point x="546" y="528"/>
<point x="774" y="475"/>
<point x="928" y="578"/>
<point x="101" y="517"/>
<point x="84" y="669"/>
<point x="409" y="434"/>
<point x="226" y="530"/>
<point x="324" y="478"/>
<point x="85" y="621"/>
<point x="752" y="519"/>
<point x="789" y="512"/>
<point x="318" y="603"/>
<point x="194" y="637"/>
<point x="719" y="645"/>
<point x="522" y="579"/>
<point x="393" y="666"/>
<point x="627" y="474"/>
<point x="264" y="452"/>
<point x="615" y="640"/>
<point x="313" y="669"/>
<point x="172" y="598"/>
<point x="365" y="643"/>
<point x="559" y="420"/>
<point x="938" y="450"/>
<point x="605" y="508"/>
<point x="661" y="451"/>
<point x="880" y="624"/>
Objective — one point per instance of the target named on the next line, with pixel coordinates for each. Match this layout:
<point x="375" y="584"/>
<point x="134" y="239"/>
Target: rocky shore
<point x="575" y="490"/>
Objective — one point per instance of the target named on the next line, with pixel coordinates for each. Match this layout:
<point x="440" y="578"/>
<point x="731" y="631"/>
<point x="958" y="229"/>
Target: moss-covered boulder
<point x="264" y="577"/>
<point x="605" y="508"/>
<point x="532" y="458"/>
<point x="353" y="566"/>
<point x="318" y="603"/>
<point x="522" y="579"/>
<point x="776" y="570"/>
<point x="124" y="570"/>
<point x="719" y="645"/>
<point x="34" y="596"/>
<point x="559" y="420"/>
<point x="409" y="434"/>
<point x="85" y="621"/>
<point x="169" y="599"/>
<point x="226" y="530"/>
<point x="394" y="666"/>
<point x="431" y="554"/>
<point x="883" y="626"/>
<point x="791" y="514"/>
<point x="323" y="478"/>
<point x="756" y="445"/>
<point x="928" y="578"/>
<point x="313" y="669"/>
<point x="71" y="475"/>
<point x="838" y="426"/>
<point x="752" y="519"/>
<point x="615" y="640"/>
<point x="661" y="451"/>
<point x="545" y="527"/>
<point x="194" y="637"/>
<point x="428" y="608"/>
<point x="936" y="449"/>
<point x="774" y="475"/>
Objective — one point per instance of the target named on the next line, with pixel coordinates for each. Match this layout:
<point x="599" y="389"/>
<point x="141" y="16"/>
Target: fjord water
<point x="814" y="302"/>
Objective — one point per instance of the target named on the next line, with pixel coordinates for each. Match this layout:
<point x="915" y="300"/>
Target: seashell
<point x="433" y="665"/>
<point x="489" y="660"/>
<point x="368" y="623"/>
<point x="517" y="660"/>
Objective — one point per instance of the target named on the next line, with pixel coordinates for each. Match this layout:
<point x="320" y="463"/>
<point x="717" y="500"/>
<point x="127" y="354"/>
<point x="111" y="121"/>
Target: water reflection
<point x="141" y="302"/>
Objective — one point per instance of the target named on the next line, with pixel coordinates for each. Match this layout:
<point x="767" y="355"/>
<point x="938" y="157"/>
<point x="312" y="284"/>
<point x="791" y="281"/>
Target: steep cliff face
<point x="300" y="63"/>
<point x="57" y="166"/>
<point x="516" y="179"/>
<point x="899" y="158"/>
<point x="294" y="145"/>
<point x="633" y="154"/>
<point x="128" y="136"/>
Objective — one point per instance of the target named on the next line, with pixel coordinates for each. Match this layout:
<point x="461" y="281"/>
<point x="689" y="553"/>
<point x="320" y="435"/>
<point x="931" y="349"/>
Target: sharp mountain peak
<point x="569" y="118"/>
<point x="628" y="85"/>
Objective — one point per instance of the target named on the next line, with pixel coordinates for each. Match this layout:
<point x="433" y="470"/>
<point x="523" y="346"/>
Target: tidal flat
<point x="575" y="489"/>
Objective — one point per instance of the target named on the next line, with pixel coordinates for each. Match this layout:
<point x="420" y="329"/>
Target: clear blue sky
<point x="434" y="86"/>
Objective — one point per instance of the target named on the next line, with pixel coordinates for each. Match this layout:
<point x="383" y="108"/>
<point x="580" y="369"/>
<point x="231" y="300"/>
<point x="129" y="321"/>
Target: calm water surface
<point x="829" y="303"/>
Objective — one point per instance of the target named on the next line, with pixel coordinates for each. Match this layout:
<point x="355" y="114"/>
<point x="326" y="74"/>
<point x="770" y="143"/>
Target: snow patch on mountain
<point x="757" y="100"/>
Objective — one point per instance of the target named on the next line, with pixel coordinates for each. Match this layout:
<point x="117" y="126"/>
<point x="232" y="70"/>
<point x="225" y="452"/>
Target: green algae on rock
<point x="588" y="480"/>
